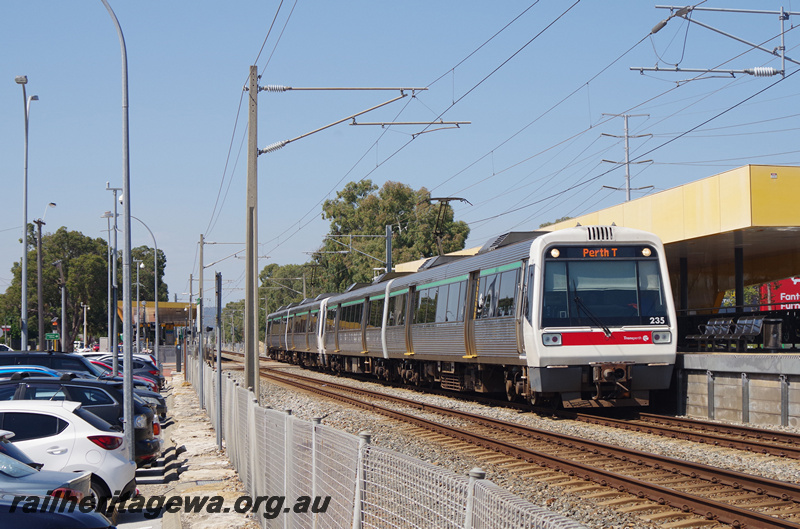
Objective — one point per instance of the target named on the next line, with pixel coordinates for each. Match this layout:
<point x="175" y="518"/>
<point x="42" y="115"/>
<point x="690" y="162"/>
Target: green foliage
<point x="360" y="208"/>
<point x="84" y="262"/>
<point x="562" y="219"/>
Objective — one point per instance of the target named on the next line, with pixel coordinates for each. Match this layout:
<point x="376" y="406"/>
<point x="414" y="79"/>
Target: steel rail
<point x="700" y="506"/>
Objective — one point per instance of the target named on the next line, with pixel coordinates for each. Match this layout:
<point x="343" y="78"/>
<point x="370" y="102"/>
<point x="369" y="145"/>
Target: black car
<point x="34" y="512"/>
<point x="101" y="397"/>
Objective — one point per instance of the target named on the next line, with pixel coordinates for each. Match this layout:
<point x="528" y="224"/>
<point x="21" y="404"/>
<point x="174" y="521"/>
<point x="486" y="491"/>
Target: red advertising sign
<point x="783" y="294"/>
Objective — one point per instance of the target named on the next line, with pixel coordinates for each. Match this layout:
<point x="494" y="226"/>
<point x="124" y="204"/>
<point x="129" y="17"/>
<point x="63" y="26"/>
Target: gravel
<point x="401" y="438"/>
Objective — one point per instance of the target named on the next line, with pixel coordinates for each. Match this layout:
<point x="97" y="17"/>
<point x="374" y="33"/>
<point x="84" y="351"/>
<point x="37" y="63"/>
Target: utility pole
<point x="113" y="338"/>
<point x="201" y="326"/>
<point x="251" y="376"/>
<point x="628" y="161"/>
<point x="39" y="286"/>
<point x="218" y="392"/>
<point x="63" y="284"/>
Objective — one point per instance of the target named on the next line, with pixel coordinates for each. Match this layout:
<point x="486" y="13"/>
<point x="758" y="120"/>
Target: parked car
<point x="17" y="476"/>
<point x="63" y="362"/>
<point x="4" y="347"/>
<point x="6" y="372"/>
<point x="63" y="436"/>
<point x="142" y="366"/>
<point x="107" y="370"/>
<point x="13" y="517"/>
<point x="101" y="397"/>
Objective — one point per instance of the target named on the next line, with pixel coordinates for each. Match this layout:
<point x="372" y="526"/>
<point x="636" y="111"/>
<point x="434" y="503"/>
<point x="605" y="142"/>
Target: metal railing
<point x="277" y="454"/>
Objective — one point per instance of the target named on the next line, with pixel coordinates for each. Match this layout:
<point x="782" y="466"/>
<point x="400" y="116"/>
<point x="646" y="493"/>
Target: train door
<point x="469" y="315"/>
<point x="364" y="319"/>
<point x="521" y="304"/>
<point x="410" y="308"/>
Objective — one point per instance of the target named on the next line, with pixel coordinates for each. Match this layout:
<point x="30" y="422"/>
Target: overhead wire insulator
<point x="273" y="147"/>
<point x="275" y="88"/>
<point x="762" y="71"/>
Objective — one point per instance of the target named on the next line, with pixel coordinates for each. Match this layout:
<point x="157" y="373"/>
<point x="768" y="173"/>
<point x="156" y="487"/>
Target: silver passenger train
<point x="578" y="317"/>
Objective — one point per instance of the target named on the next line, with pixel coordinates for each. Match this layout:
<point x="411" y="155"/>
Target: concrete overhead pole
<point x="251" y="364"/>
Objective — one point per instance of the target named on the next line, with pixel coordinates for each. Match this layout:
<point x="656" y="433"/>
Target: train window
<point x="620" y="292"/>
<point x="441" y="304"/>
<point x="330" y="320"/>
<point x="487" y="296"/>
<point x="651" y="302"/>
<point x="375" y="313"/>
<point x="426" y="305"/>
<point x="397" y="310"/>
<point x="454" y="304"/>
<point x="506" y="293"/>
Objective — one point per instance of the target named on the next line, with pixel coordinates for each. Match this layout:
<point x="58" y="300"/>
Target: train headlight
<point x="646" y="252"/>
<point x="551" y="338"/>
<point x="662" y="337"/>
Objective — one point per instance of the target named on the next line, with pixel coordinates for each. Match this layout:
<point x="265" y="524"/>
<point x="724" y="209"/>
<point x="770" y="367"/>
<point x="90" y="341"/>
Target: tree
<point x="550" y="223"/>
<point x="360" y="208"/>
<point x="84" y="261"/>
<point x="146" y="278"/>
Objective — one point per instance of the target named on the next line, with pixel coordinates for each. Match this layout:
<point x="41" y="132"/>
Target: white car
<point x="63" y="436"/>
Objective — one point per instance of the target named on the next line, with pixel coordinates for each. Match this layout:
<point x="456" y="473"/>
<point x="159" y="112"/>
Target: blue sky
<point x="535" y="91"/>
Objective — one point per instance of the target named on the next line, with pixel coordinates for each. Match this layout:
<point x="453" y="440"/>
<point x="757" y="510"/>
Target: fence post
<point x="314" y="423"/>
<point x="252" y="453"/>
<point x="364" y="439"/>
<point x="474" y="475"/>
<point x="287" y="458"/>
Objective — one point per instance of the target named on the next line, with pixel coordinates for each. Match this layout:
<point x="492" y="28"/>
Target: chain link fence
<point x="332" y="479"/>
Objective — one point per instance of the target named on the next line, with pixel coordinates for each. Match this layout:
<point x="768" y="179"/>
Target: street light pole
<point x="26" y="101"/>
<point x="139" y="264"/>
<point x="85" y="307"/>
<point x="155" y="292"/>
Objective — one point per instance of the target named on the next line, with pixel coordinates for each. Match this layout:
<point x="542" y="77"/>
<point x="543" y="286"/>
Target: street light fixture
<point x="26" y="101"/>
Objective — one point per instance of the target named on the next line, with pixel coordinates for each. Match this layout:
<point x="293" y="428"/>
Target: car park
<point x="18" y="476"/>
<point x="64" y="437"/>
<point x="100" y="397"/>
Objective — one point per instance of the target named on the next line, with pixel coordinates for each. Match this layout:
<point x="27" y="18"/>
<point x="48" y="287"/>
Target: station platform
<point x="760" y="388"/>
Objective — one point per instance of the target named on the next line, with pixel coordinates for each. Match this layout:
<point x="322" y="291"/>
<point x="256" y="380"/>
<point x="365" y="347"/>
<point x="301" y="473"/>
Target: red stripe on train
<point x="599" y="338"/>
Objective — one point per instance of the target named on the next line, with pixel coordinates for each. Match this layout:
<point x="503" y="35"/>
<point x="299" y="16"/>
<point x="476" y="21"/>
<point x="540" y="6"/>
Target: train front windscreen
<point x="603" y="286"/>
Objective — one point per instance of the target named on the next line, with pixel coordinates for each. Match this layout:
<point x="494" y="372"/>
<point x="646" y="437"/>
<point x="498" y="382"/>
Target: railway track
<point x="655" y="487"/>
<point x="749" y="439"/>
<point x="671" y="492"/>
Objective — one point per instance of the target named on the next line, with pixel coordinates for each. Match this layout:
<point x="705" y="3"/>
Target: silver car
<point x="21" y="476"/>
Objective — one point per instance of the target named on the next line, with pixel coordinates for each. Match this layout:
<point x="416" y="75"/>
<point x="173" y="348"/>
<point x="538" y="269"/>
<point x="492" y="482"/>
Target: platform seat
<point x="711" y="333"/>
<point x="746" y="330"/>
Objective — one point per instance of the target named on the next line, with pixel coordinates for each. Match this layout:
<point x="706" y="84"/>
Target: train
<point x="576" y="318"/>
